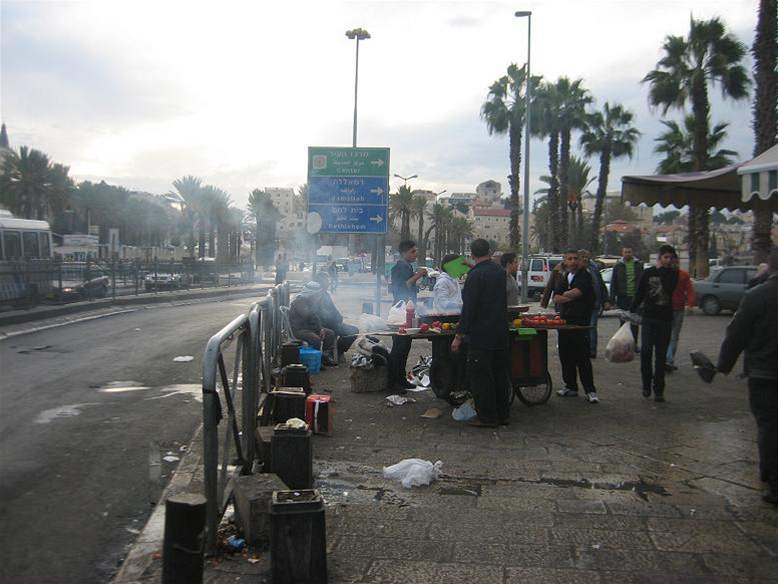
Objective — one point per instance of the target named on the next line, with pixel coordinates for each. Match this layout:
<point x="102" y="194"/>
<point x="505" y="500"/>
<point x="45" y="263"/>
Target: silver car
<point x="723" y="289"/>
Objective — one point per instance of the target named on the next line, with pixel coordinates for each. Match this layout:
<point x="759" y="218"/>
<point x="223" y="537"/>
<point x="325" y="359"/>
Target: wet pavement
<point x="626" y="490"/>
<point x="94" y="418"/>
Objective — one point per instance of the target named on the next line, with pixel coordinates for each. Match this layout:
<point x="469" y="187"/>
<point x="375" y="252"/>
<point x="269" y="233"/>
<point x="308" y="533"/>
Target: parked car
<point x="162" y="282"/>
<point x="607" y="276"/>
<point x="723" y="289"/>
<point x="540" y="268"/>
<point x="94" y="288"/>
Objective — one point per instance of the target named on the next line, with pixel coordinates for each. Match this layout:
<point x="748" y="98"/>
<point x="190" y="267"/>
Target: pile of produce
<point x="539" y="321"/>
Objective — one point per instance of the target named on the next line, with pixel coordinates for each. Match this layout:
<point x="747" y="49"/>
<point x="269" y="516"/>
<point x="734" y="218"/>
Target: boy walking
<point x="654" y="300"/>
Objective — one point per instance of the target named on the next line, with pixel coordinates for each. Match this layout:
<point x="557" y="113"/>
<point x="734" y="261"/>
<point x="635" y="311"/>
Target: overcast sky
<point x="140" y="93"/>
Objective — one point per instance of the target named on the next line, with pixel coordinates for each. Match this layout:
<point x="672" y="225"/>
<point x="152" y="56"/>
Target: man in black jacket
<point x="753" y="330"/>
<point x="484" y="325"/>
<point x="624" y="284"/>
<point x="574" y="295"/>
<point x="654" y="299"/>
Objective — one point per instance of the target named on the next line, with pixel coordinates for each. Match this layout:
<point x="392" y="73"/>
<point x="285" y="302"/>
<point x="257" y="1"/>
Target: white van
<point x="540" y="268"/>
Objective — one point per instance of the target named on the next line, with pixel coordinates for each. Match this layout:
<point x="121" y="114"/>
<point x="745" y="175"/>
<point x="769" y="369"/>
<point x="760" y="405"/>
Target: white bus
<point x="25" y="258"/>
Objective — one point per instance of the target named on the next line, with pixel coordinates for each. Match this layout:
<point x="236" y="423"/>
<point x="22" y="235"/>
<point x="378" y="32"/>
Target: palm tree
<point x="765" y="52"/>
<point x="31" y="186"/>
<point x="610" y="134"/>
<point x="578" y="181"/>
<point x="188" y="194"/>
<point x="219" y="207"/>
<point x="545" y="124"/>
<point x="266" y="215"/>
<point x="440" y="216"/>
<point x="677" y="145"/>
<point x="418" y="211"/>
<point x="400" y="210"/>
<point x="460" y="229"/>
<point x="708" y="56"/>
<point x="573" y="99"/>
<point x="504" y="112"/>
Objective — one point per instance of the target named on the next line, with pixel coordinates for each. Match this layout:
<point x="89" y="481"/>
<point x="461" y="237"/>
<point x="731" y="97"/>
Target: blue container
<point x="311" y="358"/>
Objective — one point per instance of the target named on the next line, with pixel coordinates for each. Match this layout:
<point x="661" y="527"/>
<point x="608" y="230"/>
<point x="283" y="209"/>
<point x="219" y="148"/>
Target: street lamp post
<point x="528" y="115"/>
<point x="405" y="179"/>
<point x="358" y="34"/>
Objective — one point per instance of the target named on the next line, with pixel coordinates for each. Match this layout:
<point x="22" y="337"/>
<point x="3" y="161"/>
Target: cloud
<point x="139" y="93"/>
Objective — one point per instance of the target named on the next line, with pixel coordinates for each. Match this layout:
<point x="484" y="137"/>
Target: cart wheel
<point x="535" y="395"/>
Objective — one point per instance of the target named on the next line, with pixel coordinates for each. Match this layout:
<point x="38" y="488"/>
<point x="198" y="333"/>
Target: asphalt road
<point x="88" y="412"/>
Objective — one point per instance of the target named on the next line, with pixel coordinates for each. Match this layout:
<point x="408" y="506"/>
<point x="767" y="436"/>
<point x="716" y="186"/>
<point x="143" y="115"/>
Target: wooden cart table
<point x="529" y="375"/>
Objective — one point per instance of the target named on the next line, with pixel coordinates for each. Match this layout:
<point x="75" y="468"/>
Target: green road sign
<point x="323" y="161"/>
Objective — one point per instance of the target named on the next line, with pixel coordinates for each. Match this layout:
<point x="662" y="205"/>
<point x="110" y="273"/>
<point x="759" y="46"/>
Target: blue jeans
<point x="675" y="333"/>
<point x="593" y="331"/>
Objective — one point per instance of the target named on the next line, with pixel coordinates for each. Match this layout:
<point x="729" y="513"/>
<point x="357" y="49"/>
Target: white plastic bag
<point x="413" y="472"/>
<point x="621" y="346"/>
<point x="370" y="323"/>
<point x="397" y="314"/>
<point x="464" y="412"/>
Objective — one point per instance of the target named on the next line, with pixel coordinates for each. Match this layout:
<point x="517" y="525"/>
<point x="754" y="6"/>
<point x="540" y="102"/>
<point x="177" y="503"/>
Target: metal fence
<point x="51" y="281"/>
<point x="256" y="339"/>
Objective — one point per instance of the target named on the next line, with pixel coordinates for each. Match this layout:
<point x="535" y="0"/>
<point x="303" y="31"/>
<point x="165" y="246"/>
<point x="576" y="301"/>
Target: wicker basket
<point x="365" y="380"/>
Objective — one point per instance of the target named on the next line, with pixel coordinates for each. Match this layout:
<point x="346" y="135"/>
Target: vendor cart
<point x="530" y="379"/>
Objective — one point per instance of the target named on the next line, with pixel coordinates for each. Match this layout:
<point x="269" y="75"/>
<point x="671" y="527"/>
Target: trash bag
<point x="369" y="323"/>
<point x="621" y="346"/>
<point x="397" y="314"/>
<point x="464" y="412"/>
<point x="413" y="472"/>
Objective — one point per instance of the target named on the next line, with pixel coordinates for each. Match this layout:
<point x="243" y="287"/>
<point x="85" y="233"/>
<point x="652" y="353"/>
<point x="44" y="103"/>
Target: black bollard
<point x="298" y="538"/>
<point x="292" y="455"/>
<point x="290" y="353"/>
<point x="297" y="376"/>
<point x="182" y="548"/>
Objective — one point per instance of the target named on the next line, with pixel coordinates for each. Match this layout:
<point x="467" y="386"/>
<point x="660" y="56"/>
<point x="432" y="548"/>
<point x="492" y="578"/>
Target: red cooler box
<point x="318" y="413"/>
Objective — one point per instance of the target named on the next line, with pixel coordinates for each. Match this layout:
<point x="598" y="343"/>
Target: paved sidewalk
<point x="623" y="491"/>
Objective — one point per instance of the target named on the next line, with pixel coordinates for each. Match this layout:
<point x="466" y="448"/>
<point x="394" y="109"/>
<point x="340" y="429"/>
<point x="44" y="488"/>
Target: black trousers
<point x="398" y="358"/>
<point x="575" y="357"/>
<point x="488" y="373"/>
<point x="654" y="339"/>
<point x="346" y="334"/>
<point x="763" y="397"/>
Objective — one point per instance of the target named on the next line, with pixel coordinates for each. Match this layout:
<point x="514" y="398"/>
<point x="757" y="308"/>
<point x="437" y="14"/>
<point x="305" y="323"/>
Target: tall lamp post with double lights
<point x="405" y="179"/>
<point x="357" y="34"/>
<point x="528" y="115"/>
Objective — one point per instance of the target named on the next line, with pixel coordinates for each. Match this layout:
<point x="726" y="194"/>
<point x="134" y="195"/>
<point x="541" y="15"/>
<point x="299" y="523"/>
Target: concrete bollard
<point x="253" y="494"/>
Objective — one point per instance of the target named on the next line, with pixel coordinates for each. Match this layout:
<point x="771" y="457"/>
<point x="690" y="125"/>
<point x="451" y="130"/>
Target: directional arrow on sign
<point x="377" y="218"/>
<point x="378" y="162"/>
<point x="378" y="191"/>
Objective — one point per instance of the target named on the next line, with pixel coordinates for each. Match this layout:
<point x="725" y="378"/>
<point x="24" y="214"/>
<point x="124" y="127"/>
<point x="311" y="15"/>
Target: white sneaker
<point x="592" y="397"/>
<point x="567" y="392"/>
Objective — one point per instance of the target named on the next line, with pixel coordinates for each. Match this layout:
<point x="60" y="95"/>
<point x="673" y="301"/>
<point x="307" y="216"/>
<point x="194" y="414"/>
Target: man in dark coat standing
<point x="484" y="326"/>
<point x="753" y="330"/>
<point x="574" y="296"/>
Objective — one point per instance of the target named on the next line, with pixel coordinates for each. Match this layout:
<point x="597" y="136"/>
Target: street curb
<point x="149" y="541"/>
<point x="76" y="307"/>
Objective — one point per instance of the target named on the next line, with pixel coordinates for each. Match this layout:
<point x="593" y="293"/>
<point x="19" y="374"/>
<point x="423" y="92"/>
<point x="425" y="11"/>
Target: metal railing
<point x="256" y="337"/>
<point x="31" y="282"/>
